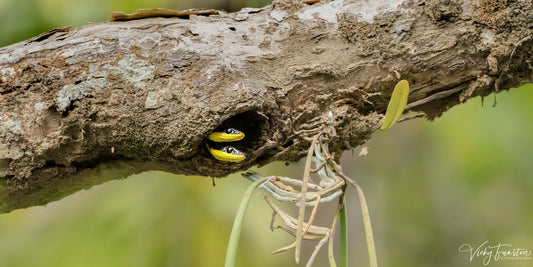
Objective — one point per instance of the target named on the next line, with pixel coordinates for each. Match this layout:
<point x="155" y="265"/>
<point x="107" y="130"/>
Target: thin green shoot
<point x="366" y="223"/>
<point x="233" y="243"/>
<point x="343" y="236"/>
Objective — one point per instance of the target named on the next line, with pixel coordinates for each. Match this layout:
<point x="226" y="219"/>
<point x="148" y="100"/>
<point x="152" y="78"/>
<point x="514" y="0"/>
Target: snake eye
<point x="231" y="150"/>
<point x="231" y="131"/>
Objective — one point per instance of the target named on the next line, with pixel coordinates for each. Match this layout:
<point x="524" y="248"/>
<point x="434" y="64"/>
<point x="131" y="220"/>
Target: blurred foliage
<point x="431" y="186"/>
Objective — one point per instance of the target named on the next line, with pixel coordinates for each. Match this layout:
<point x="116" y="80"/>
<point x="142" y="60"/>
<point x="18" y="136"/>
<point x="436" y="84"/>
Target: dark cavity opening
<point x="254" y="126"/>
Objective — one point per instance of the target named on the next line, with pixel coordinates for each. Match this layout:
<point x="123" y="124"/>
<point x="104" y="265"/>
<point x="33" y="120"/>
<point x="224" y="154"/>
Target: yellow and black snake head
<point x="222" y="151"/>
<point x="226" y="153"/>
<point x="236" y="139"/>
<point x="228" y="135"/>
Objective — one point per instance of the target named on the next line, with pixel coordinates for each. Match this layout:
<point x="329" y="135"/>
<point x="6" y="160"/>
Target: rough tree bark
<point x="110" y="99"/>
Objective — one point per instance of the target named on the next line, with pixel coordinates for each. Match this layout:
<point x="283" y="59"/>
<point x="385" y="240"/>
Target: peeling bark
<point x="109" y="99"/>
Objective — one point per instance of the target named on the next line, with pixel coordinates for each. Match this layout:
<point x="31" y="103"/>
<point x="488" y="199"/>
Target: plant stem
<point x="368" y="228"/>
<point x="301" y="210"/>
<point x="331" y="254"/>
<point x="366" y="222"/>
<point x="233" y="243"/>
<point x="343" y="237"/>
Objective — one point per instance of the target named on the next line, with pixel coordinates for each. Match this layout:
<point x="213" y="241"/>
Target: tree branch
<point x="110" y="99"/>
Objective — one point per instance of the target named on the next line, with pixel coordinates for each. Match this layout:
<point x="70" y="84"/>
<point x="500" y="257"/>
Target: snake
<point x="228" y="135"/>
<point x="226" y="152"/>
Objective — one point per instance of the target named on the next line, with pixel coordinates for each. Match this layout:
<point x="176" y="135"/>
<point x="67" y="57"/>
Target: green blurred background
<point x="431" y="186"/>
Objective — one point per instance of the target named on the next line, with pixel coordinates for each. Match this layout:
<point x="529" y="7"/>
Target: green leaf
<point x="397" y="104"/>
